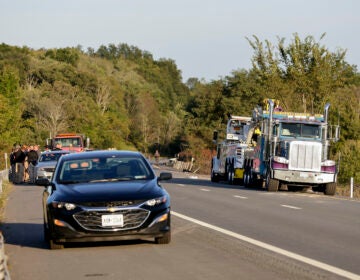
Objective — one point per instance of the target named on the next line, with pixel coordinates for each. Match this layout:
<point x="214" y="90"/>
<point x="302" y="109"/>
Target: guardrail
<point x="352" y="187"/>
<point x="4" y="272"/>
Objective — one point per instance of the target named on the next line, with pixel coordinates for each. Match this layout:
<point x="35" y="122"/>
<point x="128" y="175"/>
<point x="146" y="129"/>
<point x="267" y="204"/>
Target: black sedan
<point x="105" y="196"/>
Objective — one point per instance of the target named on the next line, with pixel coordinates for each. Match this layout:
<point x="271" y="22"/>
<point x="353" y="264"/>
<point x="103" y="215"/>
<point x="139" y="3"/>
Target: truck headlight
<point x="281" y="160"/>
<point x="328" y="163"/>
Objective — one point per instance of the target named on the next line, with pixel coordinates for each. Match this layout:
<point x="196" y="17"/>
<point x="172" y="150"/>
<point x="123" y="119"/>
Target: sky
<point x="205" y="38"/>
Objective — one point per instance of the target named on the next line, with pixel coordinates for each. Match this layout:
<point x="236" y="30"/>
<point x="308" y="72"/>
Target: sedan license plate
<point x="112" y="220"/>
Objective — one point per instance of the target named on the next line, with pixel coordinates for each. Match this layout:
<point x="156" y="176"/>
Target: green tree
<point x="11" y="108"/>
<point x="302" y="74"/>
<point x="67" y="55"/>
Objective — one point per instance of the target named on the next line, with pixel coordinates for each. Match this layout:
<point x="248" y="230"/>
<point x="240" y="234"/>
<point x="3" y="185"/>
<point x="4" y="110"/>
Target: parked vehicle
<point x="69" y="141"/>
<point x="228" y="164"/>
<point x="105" y="196"/>
<point x="46" y="164"/>
<point x="292" y="150"/>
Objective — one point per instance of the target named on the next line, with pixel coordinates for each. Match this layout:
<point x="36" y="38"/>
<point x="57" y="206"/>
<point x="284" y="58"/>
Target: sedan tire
<point x="164" y="239"/>
<point x="55" y="246"/>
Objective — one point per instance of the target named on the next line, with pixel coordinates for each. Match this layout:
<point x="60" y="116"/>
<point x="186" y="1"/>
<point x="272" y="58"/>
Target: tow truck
<point x="228" y="164"/>
<point x="72" y="142"/>
<point x="292" y="150"/>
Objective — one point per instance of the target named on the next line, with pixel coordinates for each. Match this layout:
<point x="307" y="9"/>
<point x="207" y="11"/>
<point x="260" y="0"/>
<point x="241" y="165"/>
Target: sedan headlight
<point x="66" y="205"/>
<point x="156" y="201"/>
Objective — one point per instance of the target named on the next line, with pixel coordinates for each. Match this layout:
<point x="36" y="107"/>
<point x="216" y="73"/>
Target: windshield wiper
<point x="111" y="179"/>
<point x="127" y="178"/>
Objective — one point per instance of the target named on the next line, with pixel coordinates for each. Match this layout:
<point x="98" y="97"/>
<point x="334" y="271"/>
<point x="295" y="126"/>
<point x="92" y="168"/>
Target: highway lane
<point x="323" y="228"/>
<point x="196" y="252"/>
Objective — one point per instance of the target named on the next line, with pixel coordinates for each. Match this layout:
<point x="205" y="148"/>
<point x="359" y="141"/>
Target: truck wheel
<point x="246" y="179"/>
<point x="330" y="189"/>
<point x="247" y="173"/>
<point x="230" y="177"/>
<point x="272" y="185"/>
<point x="214" y="178"/>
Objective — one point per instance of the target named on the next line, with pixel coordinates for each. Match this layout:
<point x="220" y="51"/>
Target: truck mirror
<point x="337" y="133"/>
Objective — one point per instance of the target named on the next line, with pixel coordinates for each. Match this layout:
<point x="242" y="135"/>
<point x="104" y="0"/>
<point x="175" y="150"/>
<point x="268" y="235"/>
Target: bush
<point x="349" y="162"/>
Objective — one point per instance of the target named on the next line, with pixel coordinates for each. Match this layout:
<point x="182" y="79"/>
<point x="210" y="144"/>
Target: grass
<point x="344" y="190"/>
<point x="6" y="187"/>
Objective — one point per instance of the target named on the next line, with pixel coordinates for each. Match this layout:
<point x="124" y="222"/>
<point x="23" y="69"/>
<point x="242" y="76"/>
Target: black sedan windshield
<point x="101" y="169"/>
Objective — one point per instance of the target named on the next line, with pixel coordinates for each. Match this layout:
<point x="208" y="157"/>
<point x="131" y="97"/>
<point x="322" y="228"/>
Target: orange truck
<point x="69" y="142"/>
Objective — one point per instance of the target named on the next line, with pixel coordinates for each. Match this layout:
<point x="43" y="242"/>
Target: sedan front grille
<point x="91" y="219"/>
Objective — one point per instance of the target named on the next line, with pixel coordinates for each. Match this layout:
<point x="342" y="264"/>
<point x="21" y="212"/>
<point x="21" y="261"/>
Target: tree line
<point x="120" y="96"/>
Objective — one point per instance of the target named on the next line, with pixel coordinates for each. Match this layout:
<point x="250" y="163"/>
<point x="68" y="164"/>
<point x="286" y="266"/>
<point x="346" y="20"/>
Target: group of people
<point x="23" y="159"/>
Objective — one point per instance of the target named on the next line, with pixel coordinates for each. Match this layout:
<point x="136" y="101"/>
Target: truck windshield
<point x="69" y="142"/>
<point x="300" y="130"/>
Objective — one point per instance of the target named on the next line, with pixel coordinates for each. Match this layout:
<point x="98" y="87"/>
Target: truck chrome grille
<point x="305" y="156"/>
<point x="91" y="220"/>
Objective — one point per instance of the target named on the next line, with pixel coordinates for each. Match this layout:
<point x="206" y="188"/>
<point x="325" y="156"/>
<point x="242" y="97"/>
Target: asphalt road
<point x="219" y="232"/>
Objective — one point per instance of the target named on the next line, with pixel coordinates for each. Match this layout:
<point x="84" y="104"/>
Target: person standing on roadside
<point x="12" y="164"/>
<point x="32" y="157"/>
<point x="37" y="150"/>
<point x="19" y="164"/>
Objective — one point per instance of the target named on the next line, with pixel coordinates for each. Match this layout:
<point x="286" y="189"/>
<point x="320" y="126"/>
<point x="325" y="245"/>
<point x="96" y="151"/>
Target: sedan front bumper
<point x="63" y="232"/>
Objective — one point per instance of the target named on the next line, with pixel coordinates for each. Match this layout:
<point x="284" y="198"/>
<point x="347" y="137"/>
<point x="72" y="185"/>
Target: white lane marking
<point x="272" y="248"/>
<point x="181" y="185"/>
<point x="205" y="190"/>
<point x="239" y="196"/>
<point x="291" y="207"/>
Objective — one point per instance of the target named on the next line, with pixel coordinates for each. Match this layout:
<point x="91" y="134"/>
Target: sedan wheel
<point x="55" y="246"/>
<point x="46" y="233"/>
<point x="164" y="239"/>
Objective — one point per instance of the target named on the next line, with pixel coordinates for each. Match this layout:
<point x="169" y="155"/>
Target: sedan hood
<point x="109" y="191"/>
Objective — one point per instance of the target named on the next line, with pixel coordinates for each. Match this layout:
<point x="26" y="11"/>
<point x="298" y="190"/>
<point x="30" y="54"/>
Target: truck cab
<point x="294" y="151"/>
<point x="71" y="142"/>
